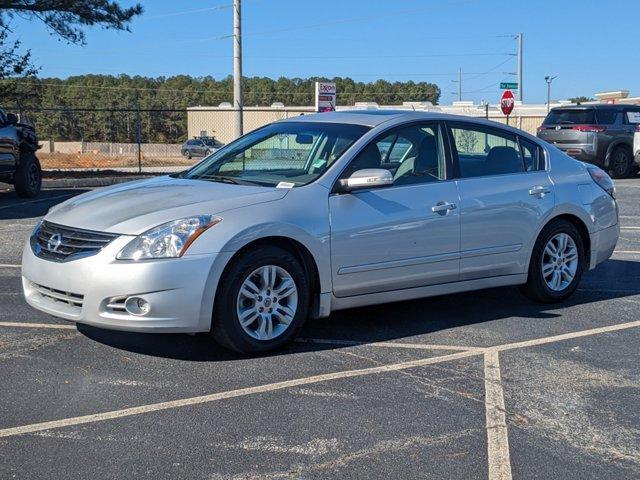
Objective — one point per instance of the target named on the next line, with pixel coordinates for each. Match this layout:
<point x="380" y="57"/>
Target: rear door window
<point x="484" y="151"/>
<point x="568" y="116"/>
<point x="532" y="155"/>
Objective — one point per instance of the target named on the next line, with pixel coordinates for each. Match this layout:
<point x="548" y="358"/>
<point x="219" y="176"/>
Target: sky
<point x="591" y="45"/>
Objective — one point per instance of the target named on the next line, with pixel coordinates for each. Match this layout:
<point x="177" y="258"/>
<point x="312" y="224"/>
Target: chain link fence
<point x="131" y="140"/>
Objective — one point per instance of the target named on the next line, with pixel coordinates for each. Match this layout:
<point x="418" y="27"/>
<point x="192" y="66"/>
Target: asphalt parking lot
<point x="477" y="385"/>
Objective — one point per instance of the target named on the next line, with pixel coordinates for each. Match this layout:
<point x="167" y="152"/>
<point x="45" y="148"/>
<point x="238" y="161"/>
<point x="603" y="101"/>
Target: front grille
<point x="59" y="243"/>
<point x="59" y="296"/>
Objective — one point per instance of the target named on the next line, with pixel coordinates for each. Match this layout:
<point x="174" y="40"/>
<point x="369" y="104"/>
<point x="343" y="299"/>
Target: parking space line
<point x="627" y="252"/>
<point x="630" y="228"/>
<point x="496" y="422"/>
<point x="8" y="265"/>
<point x="13" y="205"/>
<point x="418" y="346"/>
<point x="241" y="392"/>
<point x="564" y="336"/>
<point x="60" y="326"/>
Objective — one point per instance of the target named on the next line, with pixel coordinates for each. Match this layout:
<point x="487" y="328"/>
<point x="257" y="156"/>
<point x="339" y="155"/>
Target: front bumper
<point x="180" y="291"/>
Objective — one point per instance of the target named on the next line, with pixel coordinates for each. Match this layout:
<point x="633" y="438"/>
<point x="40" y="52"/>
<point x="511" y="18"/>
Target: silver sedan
<point x="320" y="213"/>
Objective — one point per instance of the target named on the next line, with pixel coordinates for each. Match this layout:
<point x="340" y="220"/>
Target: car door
<point x="505" y="194"/>
<point x="400" y="236"/>
<point x="8" y="142"/>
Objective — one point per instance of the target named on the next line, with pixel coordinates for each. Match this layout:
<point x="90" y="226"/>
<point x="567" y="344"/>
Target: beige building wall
<point x="218" y="121"/>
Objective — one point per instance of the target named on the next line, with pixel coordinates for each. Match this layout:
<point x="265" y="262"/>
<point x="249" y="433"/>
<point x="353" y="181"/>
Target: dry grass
<point x="53" y="161"/>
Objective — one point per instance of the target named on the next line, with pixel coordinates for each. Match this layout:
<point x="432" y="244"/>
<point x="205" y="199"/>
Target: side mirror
<point x="12" y="119"/>
<point x="367" y="178"/>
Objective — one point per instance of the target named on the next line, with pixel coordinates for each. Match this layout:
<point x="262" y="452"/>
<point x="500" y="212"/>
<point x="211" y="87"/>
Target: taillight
<point x="637" y="127"/>
<point x="588" y="128"/>
<point x="602" y="179"/>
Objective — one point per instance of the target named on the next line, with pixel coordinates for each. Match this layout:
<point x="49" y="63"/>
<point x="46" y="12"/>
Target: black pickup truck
<point x="18" y="162"/>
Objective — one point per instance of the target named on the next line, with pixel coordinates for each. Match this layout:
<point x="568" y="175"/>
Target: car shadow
<point x="396" y="321"/>
<point x="13" y="207"/>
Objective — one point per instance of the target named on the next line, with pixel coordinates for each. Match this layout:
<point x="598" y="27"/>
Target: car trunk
<point x="572" y="130"/>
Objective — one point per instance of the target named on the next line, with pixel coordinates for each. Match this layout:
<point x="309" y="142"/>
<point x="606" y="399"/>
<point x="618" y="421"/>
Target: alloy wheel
<point x="559" y="262"/>
<point x="267" y="302"/>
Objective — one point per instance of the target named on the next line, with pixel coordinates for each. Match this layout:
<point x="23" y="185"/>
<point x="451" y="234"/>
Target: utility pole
<point x="459" y="84"/>
<point x="520" y="96"/>
<point x="237" y="68"/>
<point x="549" y="79"/>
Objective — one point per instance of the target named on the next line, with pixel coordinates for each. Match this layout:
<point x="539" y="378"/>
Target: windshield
<point x="294" y="153"/>
<point x="570" y="117"/>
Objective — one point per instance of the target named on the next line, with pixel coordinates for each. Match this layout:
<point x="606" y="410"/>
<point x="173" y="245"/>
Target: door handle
<point x="443" y="207"/>
<point x="539" y="191"/>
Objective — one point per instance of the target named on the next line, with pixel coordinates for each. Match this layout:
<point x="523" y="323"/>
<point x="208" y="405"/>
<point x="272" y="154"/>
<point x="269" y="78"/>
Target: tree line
<point x="121" y="108"/>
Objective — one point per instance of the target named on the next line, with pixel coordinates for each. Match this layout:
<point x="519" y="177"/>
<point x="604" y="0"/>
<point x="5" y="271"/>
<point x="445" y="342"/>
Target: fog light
<point x="137" y="306"/>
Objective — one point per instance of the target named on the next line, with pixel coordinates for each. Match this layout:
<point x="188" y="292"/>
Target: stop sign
<point x="507" y="102"/>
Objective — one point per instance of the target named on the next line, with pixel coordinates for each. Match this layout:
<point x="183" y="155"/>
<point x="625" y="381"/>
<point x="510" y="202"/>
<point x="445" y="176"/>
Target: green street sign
<point x="508" y="85"/>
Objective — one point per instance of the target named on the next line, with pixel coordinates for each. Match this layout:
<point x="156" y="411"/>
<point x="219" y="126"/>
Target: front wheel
<point x="262" y="301"/>
<point x="28" y="177"/>
<point x="187" y="154"/>
<point x="556" y="265"/>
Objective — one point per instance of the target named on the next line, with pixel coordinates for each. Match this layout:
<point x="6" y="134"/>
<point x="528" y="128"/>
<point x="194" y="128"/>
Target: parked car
<point x="200" y="147"/>
<point x="381" y="207"/>
<point x="18" y="162"/>
<point x="598" y="134"/>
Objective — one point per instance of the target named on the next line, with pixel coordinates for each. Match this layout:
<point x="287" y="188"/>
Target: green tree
<point x="581" y="99"/>
<point x="65" y="19"/>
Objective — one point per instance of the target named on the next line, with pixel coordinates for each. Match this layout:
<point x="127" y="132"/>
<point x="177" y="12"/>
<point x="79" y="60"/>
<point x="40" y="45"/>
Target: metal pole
<point x="520" y="96"/>
<point x="548" y="96"/>
<point x="459" y="84"/>
<point x="237" y="68"/>
<point x="139" y="133"/>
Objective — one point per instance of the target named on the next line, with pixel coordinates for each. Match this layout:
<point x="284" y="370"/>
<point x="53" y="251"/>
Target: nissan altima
<point x="319" y="213"/>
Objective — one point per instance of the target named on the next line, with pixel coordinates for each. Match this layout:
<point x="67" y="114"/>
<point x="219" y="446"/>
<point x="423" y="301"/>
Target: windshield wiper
<point x="219" y="178"/>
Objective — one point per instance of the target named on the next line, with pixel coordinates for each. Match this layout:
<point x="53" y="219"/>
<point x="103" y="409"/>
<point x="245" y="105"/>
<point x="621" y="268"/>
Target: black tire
<point x="620" y="163"/>
<point x="187" y="154"/>
<point x="536" y="287"/>
<point x="28" y="177"/>
<point x="225" y="325"/>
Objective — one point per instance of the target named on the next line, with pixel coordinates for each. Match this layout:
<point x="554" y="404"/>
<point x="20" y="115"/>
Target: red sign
<point x="507" y="102"/>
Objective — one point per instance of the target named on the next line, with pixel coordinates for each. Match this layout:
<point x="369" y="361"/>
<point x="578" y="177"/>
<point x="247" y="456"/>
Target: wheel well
<point x="582" y="229"/>
<point x="297" y="249"/>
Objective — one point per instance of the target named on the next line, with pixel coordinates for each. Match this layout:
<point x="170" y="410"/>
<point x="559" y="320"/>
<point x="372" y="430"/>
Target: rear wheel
<point x="556" y="265"/>
<point x="28" y="177"/>
<point x="262" y="302"/>
<point x="620" y="163"/>
<point x="187" y="154"/>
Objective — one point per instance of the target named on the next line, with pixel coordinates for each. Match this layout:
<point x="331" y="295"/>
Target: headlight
<point x="169" y="240"/>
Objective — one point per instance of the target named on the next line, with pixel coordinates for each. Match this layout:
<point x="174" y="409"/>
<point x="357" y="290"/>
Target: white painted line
<point x="627" y="252"/>
<point x="497" y="434"/>
<point x="8" y="265"/>
<point x="13" y="205"/>
<point x="155" y="407"/>
<point x="60" y="326"/>
<point x="564" y="336"/>
<point x="353" y="343"/>
<point x="630" y="228"/>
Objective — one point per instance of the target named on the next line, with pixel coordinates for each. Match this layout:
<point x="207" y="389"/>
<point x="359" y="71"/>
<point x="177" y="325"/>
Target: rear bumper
<point x="603" y="243"/>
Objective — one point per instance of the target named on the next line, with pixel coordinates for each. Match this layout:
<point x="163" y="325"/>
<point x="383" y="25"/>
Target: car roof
<point x="373" y="118"/>
<point x="599" y="106"/>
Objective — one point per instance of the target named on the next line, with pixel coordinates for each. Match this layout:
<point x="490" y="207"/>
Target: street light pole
<point x="237" y="68"/>
<point x="549" y="79"/>
<point x="520" y="79"/>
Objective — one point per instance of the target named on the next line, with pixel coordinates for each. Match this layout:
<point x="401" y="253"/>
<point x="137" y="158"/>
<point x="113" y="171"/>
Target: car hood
<point x="135" y="207"/>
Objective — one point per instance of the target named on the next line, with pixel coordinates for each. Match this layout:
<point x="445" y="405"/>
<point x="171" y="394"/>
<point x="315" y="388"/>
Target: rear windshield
<point x="570" y="116"/>
<point x="633" y="117"/>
